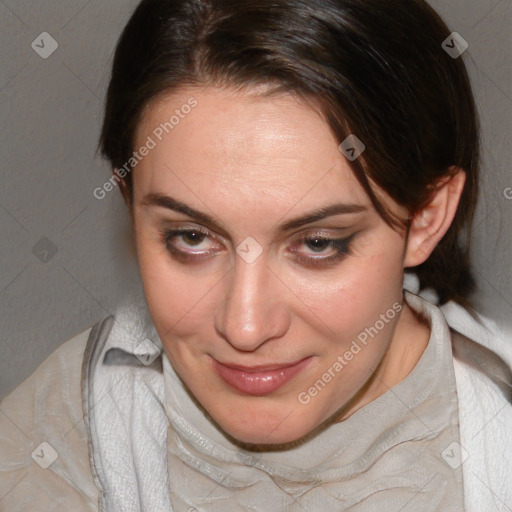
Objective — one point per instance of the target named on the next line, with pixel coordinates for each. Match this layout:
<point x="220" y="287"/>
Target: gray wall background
<point x="66" y="257"/>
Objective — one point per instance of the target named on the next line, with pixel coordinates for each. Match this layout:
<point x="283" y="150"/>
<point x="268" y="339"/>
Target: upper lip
<point x="261" y="367"/>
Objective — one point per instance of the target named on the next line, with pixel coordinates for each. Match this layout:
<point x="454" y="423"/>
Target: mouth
<point x="259" y="380"/>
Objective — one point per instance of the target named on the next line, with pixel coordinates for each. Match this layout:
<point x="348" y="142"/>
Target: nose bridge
<point x="251" y="311"/>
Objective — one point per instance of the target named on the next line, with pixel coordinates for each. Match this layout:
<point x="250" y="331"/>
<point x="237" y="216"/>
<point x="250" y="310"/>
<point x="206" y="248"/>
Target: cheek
<point x="354" y="316"/>
<point x="346" y="300"/>
<point x="177" y="297"/>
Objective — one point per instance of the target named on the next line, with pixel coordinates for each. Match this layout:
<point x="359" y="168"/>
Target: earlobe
<point x="430" y="224"/>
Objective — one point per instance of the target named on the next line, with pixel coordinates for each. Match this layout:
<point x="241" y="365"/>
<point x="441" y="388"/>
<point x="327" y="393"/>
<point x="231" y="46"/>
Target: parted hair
<point x="373" y="68"/>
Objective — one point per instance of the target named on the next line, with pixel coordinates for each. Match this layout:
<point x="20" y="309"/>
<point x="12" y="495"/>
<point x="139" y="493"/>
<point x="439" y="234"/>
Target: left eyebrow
<point x="170" y="203"/>
<point x="322" y="213"/>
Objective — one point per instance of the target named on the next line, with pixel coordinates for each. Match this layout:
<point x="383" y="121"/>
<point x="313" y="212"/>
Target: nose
<point x="253" y="310"/>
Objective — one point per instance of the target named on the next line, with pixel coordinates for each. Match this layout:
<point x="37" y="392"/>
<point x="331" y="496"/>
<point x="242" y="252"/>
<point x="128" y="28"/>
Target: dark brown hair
<point x="374" y="68"/>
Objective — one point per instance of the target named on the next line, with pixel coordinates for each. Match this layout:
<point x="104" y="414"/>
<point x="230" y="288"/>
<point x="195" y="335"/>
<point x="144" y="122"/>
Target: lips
<point x="259" y="380"/>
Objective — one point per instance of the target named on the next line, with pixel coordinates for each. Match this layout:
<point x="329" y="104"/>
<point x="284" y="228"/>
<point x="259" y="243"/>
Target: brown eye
<point x="189" y="244"/>
<point x="318" y="244"/>
<point x="193" y="237"/>
<point x="323" y="250"/>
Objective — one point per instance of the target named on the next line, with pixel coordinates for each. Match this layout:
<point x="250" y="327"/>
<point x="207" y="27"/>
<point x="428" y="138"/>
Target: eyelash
<point x="342" y="247"/>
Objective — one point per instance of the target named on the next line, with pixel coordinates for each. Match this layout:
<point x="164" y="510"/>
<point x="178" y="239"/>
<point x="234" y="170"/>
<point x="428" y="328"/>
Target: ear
<point x="429" y="225"/>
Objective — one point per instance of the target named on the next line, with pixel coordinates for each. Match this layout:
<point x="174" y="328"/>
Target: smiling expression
<point x="263" y="259"/>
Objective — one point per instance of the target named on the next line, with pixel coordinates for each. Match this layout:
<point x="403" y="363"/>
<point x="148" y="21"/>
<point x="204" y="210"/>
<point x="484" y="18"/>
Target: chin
<point x="283" y="430"/>
<point x="253" y="439"/>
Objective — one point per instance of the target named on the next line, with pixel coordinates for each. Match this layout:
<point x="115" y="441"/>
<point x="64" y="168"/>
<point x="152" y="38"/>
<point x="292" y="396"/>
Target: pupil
<point x="194" y="237"/>
<point x="318" y="244"/>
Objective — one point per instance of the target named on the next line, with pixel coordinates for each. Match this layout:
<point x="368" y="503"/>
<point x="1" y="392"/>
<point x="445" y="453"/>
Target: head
<point x="267" y="247"/>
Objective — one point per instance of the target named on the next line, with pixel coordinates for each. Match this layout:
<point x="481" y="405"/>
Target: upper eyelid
<point x="303" y="232"/>
<point x="179" y="231"/>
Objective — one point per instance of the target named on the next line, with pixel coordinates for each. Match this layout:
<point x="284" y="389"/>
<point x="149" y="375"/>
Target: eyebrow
<point x="170" y="203"/>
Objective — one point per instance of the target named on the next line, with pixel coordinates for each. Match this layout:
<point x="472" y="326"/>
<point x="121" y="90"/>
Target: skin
<point x="253" y="163"/>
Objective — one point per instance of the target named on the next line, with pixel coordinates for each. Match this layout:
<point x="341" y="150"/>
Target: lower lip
<point x="262" y="382"/>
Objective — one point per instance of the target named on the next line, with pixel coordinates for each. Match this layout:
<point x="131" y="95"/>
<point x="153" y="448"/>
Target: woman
<point x="283" y="164"/>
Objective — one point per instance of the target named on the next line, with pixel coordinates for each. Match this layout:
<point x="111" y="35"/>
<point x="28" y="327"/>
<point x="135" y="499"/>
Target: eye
<point x="197" y="243"/>
<point x="189" y="243"/>
<point x="321" y="249"/>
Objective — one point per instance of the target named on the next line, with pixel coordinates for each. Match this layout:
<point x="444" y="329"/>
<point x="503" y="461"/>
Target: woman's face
<point x="273" y="284"/>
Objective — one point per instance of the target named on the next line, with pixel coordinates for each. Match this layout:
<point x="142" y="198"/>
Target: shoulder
<point x="484" y="389"/>
<point x="44" y="462"/>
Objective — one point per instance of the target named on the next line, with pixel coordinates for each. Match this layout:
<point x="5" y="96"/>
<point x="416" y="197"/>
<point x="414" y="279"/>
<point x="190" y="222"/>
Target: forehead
<point x="243" y="141"/>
